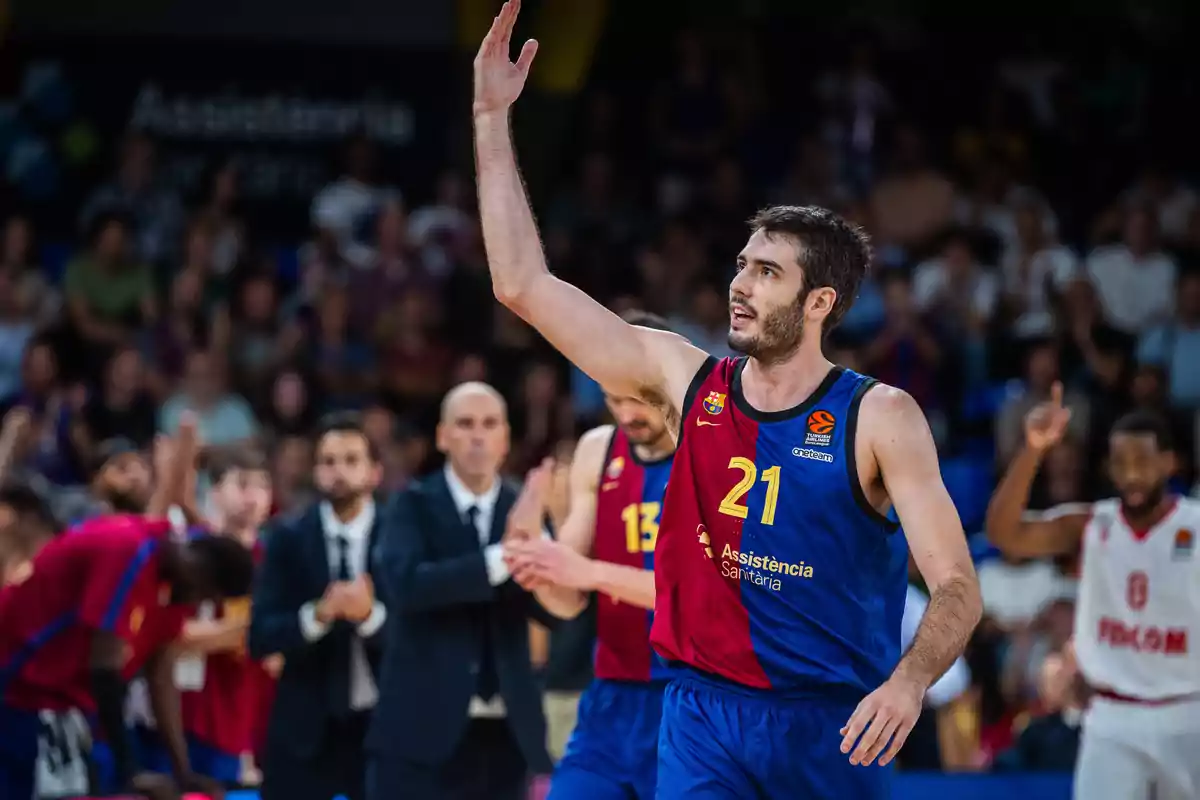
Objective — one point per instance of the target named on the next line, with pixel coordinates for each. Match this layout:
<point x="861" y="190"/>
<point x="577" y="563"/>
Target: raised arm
<point x="1009" y="526"/>
<point x="906" y="456"/>
<point x="652" y="365"/>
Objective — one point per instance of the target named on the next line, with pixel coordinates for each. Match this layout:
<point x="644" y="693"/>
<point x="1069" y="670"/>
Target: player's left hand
<point x="885" y="716"/>
<point x="548" y="561"/>
<point x="498" y="79"/>
<point x="202" y="784"/>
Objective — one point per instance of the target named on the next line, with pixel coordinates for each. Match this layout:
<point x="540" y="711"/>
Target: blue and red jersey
<point x="222" y="713"/>
<point x="775" y="572"/>
<point x="629" y="503"/>
<point x="104" y="577"/>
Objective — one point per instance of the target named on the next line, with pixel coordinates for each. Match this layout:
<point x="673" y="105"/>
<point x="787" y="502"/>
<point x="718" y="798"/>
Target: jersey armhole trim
<point x="856" y="489"/>
<point x="608" y="453"/>
<point x="689" y="398"/>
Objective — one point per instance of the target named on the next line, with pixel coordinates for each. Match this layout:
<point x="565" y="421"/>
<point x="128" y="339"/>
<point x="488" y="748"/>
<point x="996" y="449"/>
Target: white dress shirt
<point x="363" y="692"/>
<point x="493" y="559"/>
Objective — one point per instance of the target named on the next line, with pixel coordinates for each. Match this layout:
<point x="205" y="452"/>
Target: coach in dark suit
<point x="314" y="603"/>
<point x="460" y="712"/>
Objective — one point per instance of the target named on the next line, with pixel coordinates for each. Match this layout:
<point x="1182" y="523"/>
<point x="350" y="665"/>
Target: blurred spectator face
<point x="767" y="298"/>
<point x="199" y="251"/>
<point x="1079" y="300"/>
<point x="112" y="243"/>
<point x="1139" y="470"/>
<point x="470" y="368"/>
<point x="898" y="300"/>
<point x="541" y="385"/>
<point x="187" y="291"/>
<point x="39" y="369"/>
<point x="959" y="260"/>
<point x="380" y="426"/>
<point x="638" y="421"/>
<point x="392" y="228"/>
<point x="1059" y="621"/>
<point x="333" y="312"/>
<point x="345" y="469"/>
<point x="289" y="396"/>
<point x="126" y="371"/>
<point x="1149" y="386"/>
<point x="1189" y="297"/>
<point x="258" y="300"/>
<point x="125" y="482"/>
<point x="1030" y="226"/>
<point x="18" y="239"/>
<point x="1140" y="230"/>
<point x="473" y="434"/>
<point x="202" y="379"/>
<point x="709" y="308"/>
<point x="137" y="162"/>
<point x="1054" y="682"/>
<point x="243" y="498"/>
<point x="1041" y="368"/>
<point x="226" y="187"/>
<point x="1064" y="474"/>
<point x="293" y="461"/>
<point x="10" y="303"/>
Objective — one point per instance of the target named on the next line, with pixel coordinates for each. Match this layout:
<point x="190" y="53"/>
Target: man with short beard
<point x="315" y="605"/>
<point x="779" y="582"/>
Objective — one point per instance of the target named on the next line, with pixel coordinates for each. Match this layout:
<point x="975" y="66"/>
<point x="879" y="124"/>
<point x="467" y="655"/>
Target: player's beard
<point x="125" y="502"/>
<point x="1153" y="497"/>
<point x="643" y="433"/>
<point x="780" y="333"/>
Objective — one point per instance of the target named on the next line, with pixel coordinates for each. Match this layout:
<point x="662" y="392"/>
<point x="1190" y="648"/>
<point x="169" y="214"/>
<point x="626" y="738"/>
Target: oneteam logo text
<point x="812" y="455"/>
<point x="765" y="571"/>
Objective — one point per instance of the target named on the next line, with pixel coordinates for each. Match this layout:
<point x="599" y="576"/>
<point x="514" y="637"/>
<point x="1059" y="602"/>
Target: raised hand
<point x="1047" y="422"/>
<point x="498" y="80"/>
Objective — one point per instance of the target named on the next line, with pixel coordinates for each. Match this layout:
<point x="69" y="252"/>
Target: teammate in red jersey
<point x="777" y="583"/>
<point x="26" y="524"/>
<point x="219" y="684"/>
<point x="94" y="608"/>
<point x="607" y="545"/>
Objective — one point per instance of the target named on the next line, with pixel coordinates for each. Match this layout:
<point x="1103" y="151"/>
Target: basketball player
<point x="779" y="582"/>
<point x="618" y="478"/>
<point x="214" y="674"/>
<point x="93" y="609"/>
<point x="1138" y="615"/>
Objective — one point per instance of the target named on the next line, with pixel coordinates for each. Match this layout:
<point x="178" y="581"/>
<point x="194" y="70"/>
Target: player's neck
<point x="654" y="451"/>
<point x="1151" y="517"/>
<point x="781" y="385"/>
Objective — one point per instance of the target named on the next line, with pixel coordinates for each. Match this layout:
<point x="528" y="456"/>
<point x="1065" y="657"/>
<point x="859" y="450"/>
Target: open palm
<point x="498" y="80"/>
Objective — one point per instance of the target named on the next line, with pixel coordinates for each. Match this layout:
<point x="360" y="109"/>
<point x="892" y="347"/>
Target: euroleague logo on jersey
<point x="820" y="427"/>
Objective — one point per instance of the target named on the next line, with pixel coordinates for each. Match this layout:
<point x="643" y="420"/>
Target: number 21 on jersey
<point x="732" y="504"/>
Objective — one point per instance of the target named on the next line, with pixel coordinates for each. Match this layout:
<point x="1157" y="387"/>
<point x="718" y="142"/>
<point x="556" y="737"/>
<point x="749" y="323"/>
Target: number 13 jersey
<point x="773" y="569"/>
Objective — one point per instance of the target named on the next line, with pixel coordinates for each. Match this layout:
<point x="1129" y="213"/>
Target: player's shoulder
<point x="595" y="444"/>
<point x="1188" y="509"/>
<point x="117" y="532"/>
<point x="883" y="407"/>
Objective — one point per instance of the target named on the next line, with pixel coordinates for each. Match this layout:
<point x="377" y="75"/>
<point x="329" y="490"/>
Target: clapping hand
<point x="537" y="562"/>
<point x="1046" y="424"/>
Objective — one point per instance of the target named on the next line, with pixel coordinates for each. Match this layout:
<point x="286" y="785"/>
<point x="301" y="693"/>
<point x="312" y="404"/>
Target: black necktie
<point x="343" y="561"/>
<point x="473" y="519"/>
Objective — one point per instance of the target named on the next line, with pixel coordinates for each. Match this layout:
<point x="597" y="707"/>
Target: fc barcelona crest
<point x="615" y="468"/>
<point x="714" y="403"/>
<point x="1185" y="543"/>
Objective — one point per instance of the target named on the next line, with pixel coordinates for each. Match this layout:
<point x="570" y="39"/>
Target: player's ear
<point x="820" y="301"/>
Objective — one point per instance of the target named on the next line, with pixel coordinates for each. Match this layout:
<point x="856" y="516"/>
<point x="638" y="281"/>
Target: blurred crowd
<point x="989" y="286"/>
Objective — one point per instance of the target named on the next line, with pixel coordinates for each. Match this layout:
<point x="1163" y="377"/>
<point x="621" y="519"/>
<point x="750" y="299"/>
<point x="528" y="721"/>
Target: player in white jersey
<point x="1137" y="619"/>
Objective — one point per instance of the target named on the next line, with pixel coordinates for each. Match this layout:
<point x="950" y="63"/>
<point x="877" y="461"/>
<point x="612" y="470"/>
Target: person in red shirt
<point x="91" y="610"/>
<point x="220" y="682"/>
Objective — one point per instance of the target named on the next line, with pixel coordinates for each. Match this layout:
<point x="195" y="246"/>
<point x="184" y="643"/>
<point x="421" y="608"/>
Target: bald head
<point x="472" y="391"/>
<point x="473" y="433"/>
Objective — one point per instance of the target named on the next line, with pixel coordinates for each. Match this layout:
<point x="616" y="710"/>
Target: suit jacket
<point x="432" y="566"/>
<point x="316" y="675"/>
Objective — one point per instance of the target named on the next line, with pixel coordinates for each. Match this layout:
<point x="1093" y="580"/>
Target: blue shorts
<point x="613" y="751"/>
<point x="720" y="741"/>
